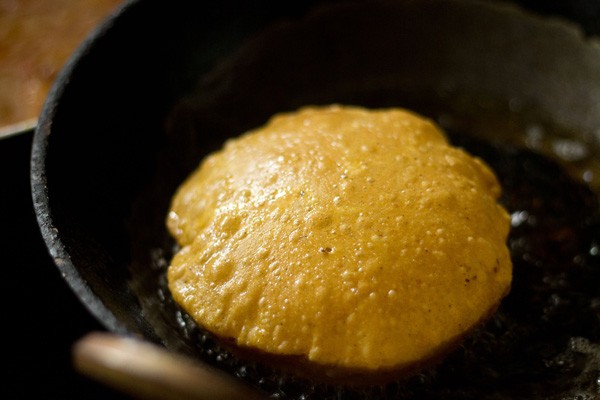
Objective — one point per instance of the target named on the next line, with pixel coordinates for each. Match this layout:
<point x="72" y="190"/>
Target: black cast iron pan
<point x="162" y="84"/>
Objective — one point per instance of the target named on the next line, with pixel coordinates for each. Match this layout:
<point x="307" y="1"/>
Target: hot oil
<point x="544" y="340"/>
<point x="545" y="337"/>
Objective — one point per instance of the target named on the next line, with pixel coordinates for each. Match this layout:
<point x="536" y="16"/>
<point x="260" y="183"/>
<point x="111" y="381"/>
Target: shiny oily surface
<point x="359" y="239"/>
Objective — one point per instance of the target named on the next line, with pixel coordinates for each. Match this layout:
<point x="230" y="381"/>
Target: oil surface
<point x="543" y="342"/>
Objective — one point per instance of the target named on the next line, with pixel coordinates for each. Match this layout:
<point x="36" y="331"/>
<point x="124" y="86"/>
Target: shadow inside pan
<point x="135" y="114"/>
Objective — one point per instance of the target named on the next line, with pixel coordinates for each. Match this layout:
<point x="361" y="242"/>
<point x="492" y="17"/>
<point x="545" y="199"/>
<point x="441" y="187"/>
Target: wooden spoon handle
<point x="148" y="371"/>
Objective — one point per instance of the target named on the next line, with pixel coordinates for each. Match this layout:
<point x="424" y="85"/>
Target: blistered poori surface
<point x="355" y="238"/>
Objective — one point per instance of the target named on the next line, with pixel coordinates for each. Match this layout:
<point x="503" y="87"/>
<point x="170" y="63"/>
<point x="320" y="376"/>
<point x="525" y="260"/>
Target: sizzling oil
<point x="543" y="342"/>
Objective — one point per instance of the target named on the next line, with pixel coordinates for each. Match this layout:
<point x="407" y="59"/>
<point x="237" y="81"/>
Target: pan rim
<point x="39" y="185"/>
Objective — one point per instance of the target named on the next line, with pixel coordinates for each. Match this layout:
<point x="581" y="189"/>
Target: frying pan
<point x="159" y="86"/>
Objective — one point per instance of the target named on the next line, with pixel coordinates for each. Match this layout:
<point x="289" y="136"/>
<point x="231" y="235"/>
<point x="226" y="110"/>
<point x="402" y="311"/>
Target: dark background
<point x="42" y="318"/>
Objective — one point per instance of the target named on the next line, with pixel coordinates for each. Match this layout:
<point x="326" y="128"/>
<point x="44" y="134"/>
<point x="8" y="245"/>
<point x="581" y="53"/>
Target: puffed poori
<point x="353" y="241"/>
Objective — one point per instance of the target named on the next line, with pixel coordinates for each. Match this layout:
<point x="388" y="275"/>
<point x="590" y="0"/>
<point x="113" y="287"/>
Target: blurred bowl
<point x="17" y="129"/>
<point x="162" y="84"/>
<point x="36" y="39"/>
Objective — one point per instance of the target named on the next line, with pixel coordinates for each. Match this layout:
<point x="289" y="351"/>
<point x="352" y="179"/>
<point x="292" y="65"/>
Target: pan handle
<point x="148" y="371"/>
